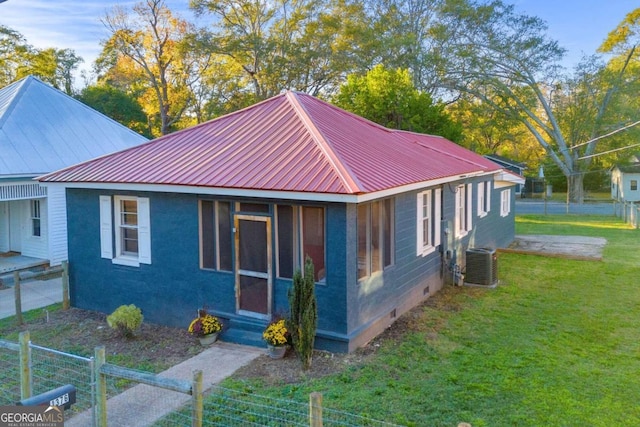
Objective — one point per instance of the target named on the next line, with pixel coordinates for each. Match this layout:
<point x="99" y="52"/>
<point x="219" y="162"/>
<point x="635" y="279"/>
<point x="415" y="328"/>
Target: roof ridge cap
<point x="344" y="173"/>
<point x="457" y="157"/>
<point x="21" y="85"/>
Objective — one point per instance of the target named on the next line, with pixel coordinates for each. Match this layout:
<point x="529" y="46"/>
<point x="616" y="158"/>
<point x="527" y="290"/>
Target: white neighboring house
<point x="42" y="130"/>
<point x="625" y="182"/>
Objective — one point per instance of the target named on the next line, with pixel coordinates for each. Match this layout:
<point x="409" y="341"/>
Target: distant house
<point x="624" y="182"/>
<point x="510" y="165"/>
<point x="222" y="214"/>
<point x="42" y="130"/>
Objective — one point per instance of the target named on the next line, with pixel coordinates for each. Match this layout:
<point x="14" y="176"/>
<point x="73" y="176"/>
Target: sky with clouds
<point x="579" y="25"/>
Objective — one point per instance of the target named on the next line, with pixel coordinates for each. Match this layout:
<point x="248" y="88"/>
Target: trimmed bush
<point x="304" y="313"/>
<point x="126" y="320"/>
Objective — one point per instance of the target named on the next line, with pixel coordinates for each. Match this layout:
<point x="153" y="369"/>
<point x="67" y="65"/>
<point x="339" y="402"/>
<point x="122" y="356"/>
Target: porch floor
<point x="12" y="261"/>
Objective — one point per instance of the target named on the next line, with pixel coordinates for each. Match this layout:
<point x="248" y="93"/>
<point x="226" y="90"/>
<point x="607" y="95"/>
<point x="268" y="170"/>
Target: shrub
<point x="126" y="320"/>
<point x="304" y="313"/>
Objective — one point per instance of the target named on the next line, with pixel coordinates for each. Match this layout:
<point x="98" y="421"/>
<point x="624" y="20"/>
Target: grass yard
<point x="557" y="343"/>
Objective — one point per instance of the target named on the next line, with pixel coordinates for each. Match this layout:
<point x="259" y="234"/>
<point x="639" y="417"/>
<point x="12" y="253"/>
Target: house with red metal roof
<point x="222" y="214"/>
<point x="42" y="130"/>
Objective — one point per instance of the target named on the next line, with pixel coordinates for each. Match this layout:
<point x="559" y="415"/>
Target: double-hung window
<point x="633" y="185"/>
<point x="125" y="235"/>
<point x="463" y="218"/>
<point x="36" y="219"/>
<point x="375" y="236"/>
<point x="484" y="198"/>
<point x="505" y="202"/>
<point x="429" y="209"/>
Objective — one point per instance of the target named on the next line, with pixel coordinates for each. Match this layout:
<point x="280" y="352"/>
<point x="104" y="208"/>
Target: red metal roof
<point x="291" y="142"/>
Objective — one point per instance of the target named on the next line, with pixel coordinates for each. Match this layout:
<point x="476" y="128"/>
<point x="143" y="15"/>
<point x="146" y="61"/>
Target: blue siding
<point x="169" y="290"/>
<point x="173" y="286"/>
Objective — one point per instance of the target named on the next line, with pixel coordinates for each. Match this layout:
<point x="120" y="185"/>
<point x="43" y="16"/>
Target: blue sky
<point x="579" y="25"/>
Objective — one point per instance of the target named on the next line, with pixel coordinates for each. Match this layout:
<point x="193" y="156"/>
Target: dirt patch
<point x="155" y="348"/>
<point x="289" y="370"/>
<point x="571" y="247"/>
<point x="80" y="332"/>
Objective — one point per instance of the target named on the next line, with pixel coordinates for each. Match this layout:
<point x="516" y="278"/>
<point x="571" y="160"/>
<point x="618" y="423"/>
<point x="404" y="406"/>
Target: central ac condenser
<point x="482" y="267"/>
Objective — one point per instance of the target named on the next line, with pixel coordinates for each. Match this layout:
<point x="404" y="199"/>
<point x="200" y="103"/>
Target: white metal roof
<point x="42" y="130"/>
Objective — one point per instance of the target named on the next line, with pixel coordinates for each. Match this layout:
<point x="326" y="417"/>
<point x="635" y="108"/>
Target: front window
<point x="36" y="222"/>
<point x="300" y="232"/>
<point x="126" y="220"/>
<point x="127" y="227"/>
<point x="634" y="185"/>
<point x="375" y="237"/>
<point x="215" y="235"/>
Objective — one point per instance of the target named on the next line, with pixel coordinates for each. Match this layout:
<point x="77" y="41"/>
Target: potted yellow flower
<point x="206" y="327"/>
<point x="277" y="338"/>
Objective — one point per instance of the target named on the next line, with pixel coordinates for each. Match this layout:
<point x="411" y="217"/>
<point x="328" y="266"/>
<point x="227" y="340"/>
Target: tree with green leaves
<point x="14" y="51"/>
<point x="506" y="61"/>
<point x="388" y="97"/>
<point x="303" y="316"/>
<point x="145" y="56"/>
<point x="118" y="105"/>
<point x="305" y="45"/>
<point x="19" y="59"/>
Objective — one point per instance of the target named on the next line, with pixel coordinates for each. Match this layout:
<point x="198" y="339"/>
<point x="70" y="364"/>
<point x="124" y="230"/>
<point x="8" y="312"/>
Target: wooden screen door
<point x="253" y="265"/>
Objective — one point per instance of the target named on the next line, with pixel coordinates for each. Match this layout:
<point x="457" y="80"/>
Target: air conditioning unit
<point x="481" y="268"/>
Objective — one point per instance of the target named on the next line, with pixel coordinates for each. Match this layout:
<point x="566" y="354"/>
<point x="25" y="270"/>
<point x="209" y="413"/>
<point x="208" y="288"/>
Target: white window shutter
<point x="469" y="209"/>
<point x="437" y="217"/>
<point x="488" y="196"/>
<point x="480" y="208"/>
<point x="144" y="231"/>
<point x="106" y="228"/>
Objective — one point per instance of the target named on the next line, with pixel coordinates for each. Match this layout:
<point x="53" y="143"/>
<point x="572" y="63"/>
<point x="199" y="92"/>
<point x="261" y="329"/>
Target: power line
<point x="604" y="136"/>
<point x="607" y="152"/>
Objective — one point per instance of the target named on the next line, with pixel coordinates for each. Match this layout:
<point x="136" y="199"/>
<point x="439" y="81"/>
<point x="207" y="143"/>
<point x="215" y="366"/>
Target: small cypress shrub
<point x="303" y="318"/>
<point x="126" y="319"/>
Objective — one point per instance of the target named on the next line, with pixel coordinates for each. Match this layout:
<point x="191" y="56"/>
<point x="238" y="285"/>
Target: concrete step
<point x="245" y="331"/>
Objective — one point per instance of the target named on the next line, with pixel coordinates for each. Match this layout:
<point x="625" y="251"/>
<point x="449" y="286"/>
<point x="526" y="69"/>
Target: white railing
<point x="21" y="191"/>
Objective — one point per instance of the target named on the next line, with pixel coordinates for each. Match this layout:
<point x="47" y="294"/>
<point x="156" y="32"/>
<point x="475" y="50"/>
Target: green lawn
<point x="557" y="343"/>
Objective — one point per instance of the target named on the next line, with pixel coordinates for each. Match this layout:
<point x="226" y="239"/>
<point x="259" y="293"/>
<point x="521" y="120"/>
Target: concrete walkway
<point x="143" y="405"/>
<point x="33" y="294"/>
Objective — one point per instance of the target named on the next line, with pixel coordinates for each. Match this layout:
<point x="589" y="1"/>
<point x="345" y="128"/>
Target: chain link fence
<point x="629" y="212"/>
